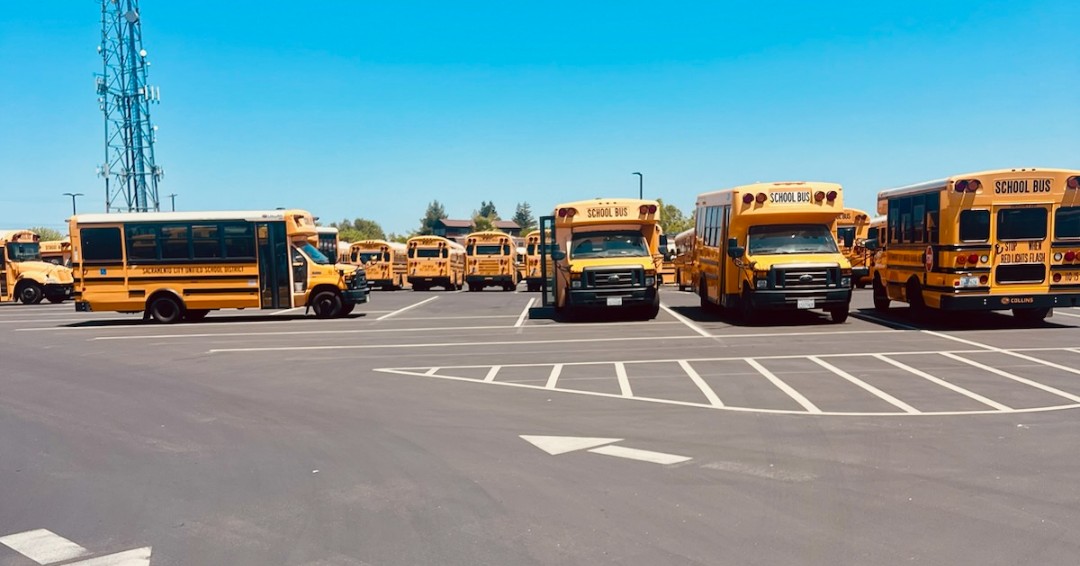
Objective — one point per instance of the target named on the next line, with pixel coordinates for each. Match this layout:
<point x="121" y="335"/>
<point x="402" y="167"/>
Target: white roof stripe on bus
<point x="120" y="217"/>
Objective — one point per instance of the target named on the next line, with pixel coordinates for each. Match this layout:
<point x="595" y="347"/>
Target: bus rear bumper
<point x="82" y="306"/>
<point x="1005" y="302"/>
<point x="606" y="298"/>
<point x="489" y="279"/>
<point x="790" y="300"/>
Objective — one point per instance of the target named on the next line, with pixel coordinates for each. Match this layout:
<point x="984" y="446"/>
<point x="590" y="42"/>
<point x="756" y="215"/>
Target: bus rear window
<point x="424" y="252"/>
<point x="1067" y="223"/>
<point x="1021" y="224"/>
<point x="974" y="225"/>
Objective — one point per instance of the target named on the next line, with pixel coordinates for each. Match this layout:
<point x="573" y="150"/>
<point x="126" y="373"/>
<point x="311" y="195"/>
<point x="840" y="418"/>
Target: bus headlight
<point x="575" y="284"/>
<point x="650" y="281"/>
<point x="761" y="283"/>
<point x="845" y="282"/>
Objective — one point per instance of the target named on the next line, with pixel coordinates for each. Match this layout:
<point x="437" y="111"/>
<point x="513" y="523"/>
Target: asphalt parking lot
<point x="460" y="428"/>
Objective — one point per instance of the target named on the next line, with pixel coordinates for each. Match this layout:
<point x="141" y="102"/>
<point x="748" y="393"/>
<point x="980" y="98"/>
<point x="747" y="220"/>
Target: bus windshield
<point x="315" y="255"/>
<point x="493" y="249"/>
<point x="426" y="252"/>
<point x="608" y="244"/>
<point x="791" y="239"/>
<point x="367" y="257"/>
<point x="30" y="251"/>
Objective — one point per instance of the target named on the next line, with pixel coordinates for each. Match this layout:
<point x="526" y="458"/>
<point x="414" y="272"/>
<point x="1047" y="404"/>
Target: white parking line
<point x="43" y="546"/>
<point x="297" y="332"/>
<point x="492" y="373"/>
<point x="524" y="313"/>
<point x="1057" y="312"/>
<point x="1017" y="378"/>
<point x="553" y="377"/>
<point x="410" y="307"/>
<point x="870" y="388"/>
<point x="624" y="381"/>
<point x="689" y="324"/>
<point x="701" y="384"/>
<point x="443" y="344"/>
<point x="779" y="383"/>
<point x="945" y="384"/>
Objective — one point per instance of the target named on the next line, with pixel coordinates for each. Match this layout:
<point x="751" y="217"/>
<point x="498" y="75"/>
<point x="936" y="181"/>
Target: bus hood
<point x="44" y="272"/>
<point x="577" y="265"/>
<point x="764" y="262"/>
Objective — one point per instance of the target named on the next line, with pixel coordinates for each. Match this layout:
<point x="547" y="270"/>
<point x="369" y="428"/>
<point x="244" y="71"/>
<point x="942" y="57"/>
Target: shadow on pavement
<point x="210" y="320"/>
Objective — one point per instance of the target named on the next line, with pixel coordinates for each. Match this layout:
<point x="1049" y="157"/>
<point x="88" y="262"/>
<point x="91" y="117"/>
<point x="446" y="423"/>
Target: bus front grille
<point x="807" y="278"/>
<point x="614" y="278"/>
<point x="1020" y="273"/>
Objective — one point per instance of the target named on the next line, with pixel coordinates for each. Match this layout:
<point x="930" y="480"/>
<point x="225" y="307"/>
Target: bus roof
<point x="326" y="230"/>
<point x="608" y="211"/>
<point x="368" y="244"/>
<point x="685" y="235"/>
<point x="11" y="235"/>
<point x="489" y="234"/>
<point x="431" y="239"/>
<point x="725" y="196"/>
<point x="940" y="184"/>
<point x="246" y="215"/>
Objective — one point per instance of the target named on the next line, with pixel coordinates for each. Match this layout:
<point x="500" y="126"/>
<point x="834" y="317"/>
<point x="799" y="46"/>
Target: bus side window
<point x="101" y="244"/>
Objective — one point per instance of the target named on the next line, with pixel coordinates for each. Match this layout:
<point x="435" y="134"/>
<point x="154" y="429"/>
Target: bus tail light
<point x="819" y="196"/>
<point x="961" y="260"/>
<point x="1070" y="255"/>
<point x="760" y="198"/>
<point x="1057" y="278"/>
<point x="747" y="198"/>
<point x="973" y="259"/>
<point x="1073" y="182"/>
<point x="831" y="196"/>
<point x="983" y="280"/>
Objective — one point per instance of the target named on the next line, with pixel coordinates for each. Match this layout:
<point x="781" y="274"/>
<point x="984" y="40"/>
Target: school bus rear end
<point x="489" y="261"/>
<point x="434" y="261"/>
<point x="384" y="262"/>
<point x="608" y="251"/>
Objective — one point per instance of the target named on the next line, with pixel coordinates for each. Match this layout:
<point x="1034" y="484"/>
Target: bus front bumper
<point x="799" y="299"/>
<point x="613" y="297"/>
<point x="355" y="296"/>
<point x="1004" y="302"/>
<point x="54" y="291"/>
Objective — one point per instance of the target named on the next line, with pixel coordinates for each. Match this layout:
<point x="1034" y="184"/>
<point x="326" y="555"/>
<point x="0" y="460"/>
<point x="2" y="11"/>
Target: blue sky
<point x="373" y="109"/>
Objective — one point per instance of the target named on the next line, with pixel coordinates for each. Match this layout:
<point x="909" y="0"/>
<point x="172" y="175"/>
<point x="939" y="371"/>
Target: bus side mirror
<point x="736" y="252"/>
<point x="849" y="240"/>
<point x="558" y="255"/>
<point x="871" y="245"/>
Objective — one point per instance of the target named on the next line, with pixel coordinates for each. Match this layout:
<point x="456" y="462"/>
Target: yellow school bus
<point x="434" y="261"/>
<point x="24" y="277"/>
<point x="533" y="272"/>
<point x="606" y="255"/>
<point x="57" y="252"/>
<point x="489" y="261"/>
<point x="685" y="273"/>
<point x="851" y="230"/>
<point x="174" y="266"/>
<point x="873" y="247"/>
<point x="990" y="240"/>
<point x="665" y="266"/>
<point x="384" y="262"/>
<point x="771" y="246"/>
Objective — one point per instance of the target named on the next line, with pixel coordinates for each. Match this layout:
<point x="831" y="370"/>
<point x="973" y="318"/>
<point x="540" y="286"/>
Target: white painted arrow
<point x="556" y="445"/>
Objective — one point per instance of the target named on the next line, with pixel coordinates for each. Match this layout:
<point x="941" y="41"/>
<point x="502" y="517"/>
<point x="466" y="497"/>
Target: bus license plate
<point x="967" y="282"/>
<point x="806" y="303"/>
<point x="614" y="301"/>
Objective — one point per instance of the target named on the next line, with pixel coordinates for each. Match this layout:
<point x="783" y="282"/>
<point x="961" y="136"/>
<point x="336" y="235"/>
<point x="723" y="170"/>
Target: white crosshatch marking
<point x="683" y="369"/>
<point x="48" y="549"/>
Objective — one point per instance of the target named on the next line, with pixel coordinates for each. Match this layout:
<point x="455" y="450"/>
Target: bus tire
<point x="881" y="296"/>
<point x="839" y="315"/>
<point x="30" y="293"/>
<point x="746" y="307"/>
<point x="1031" y="316"/>
<point x="166" y="309"/>
<point x="326" y="304"/>
<point x="703" y="294"/>
<point x="916" y="305"/>
<point x="195" y="315"/>
<point x="346" y="310"/>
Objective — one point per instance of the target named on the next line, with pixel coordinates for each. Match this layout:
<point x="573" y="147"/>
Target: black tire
<point x="56" y="300"/>
<point x="1031" y="316"/>
<point x="473" y="288"/>
<point x="419" y="287"/>
<point x="703" y="295"/>
<point x="839" y="315"/>
<point x="747" y="314"/>
<point x="916" y="305"/>
<point x="166" y="309"/>
<point x="326" y="304"/>
<point x="195" y="315"/>
<point x="346" y="310"/>
<point x="30" y="293"/>
<point x="881" y="297"/>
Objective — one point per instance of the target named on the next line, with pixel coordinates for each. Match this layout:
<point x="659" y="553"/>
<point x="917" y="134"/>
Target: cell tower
<point x="130" y="173"/>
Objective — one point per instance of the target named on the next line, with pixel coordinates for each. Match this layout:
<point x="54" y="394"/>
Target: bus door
<point x="273" y="250"/>
<point x="547" y="263"/>
<point x="1021" y="251"/>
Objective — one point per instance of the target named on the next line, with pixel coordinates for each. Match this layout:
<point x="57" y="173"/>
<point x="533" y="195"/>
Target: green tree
<point x="435" y="212"/>
<point x="399" y="238"/>
<point x="48" y="234"/>
<point x="524" y="218"/>
<point x="672" y="220"/>
<point x="481" y="223"/>
<point x="359" y="229"/>
<point x="487" y="210"/>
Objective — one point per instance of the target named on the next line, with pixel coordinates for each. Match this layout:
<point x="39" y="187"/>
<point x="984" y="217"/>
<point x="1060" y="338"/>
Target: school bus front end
<point x="771" y="247"/>
<point x="489" y="261"/>
<point x="608" y="251"/>
<point x="852" y="227"/>
<point x="24" y="276"/>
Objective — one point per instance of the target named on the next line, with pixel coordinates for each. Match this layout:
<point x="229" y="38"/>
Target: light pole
<point x="73" y="195"/>
<point x="172" y="198"/>
<point x="640" y="185"/>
